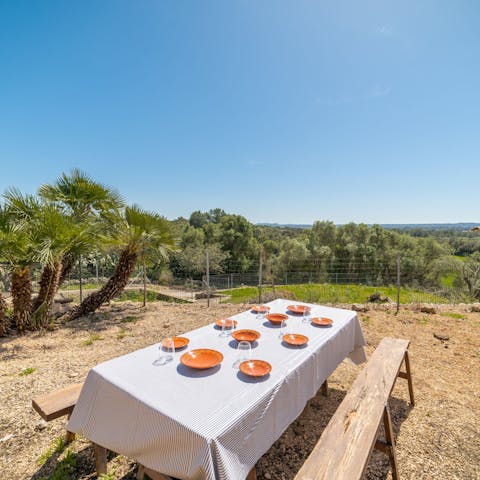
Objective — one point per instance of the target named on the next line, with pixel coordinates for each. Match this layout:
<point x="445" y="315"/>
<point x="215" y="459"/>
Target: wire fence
<point x="334" y="282"/>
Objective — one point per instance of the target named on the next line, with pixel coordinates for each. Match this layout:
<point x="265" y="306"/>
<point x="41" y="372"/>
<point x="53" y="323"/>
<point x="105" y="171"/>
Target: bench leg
<point x="324" y="388"/>
<point x="390" y="442"/>
<point x="409" y="379"/>
<point x="100" y="459"/>
<point x="252" y="475"/>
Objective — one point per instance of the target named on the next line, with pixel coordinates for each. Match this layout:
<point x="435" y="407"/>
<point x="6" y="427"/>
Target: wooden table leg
<point x="252" y="475"/>
<point x="142" y="471"/>
<point x="324" y="388"/>
<point x="100" y="459"/>
<point x="70" y="437"/>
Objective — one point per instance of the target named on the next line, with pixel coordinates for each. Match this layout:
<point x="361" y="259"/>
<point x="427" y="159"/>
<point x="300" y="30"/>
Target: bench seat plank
<point x="58" y="403"/>
<point x="345" y="446"/>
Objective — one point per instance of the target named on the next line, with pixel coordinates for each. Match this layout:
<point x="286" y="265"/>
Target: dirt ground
<point x="438" y="439"/>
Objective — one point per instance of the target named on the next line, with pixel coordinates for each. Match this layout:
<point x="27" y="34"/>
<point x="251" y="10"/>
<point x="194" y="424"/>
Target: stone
<point x="475" y="308"/>
<point x="358" y="307"/>
<point x="166" y="325"/>
<point x="268" y="476"/>
<point x="6" y="438"/>
<point x="40" y="425"/>
<point x="428" y="309"/>
<point x="441" y="336"/>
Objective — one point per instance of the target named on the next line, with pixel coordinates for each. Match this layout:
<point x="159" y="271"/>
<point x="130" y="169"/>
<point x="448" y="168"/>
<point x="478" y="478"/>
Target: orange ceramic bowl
<point x="276" y="318"/>
<point x="178" y="342"/>
<point x="255" y="368"/>
<point x="228" y="322"/>
<point x="298" y="309"/>
<point x="260" y="309"/>
<point x="201" y="358"/>
<point x="245" y="335"/>
<point x="322" y="322"/>
<point x="295" y="339"/>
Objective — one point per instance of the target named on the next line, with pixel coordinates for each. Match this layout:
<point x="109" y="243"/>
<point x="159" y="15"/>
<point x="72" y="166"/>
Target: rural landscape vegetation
<point x="168" y="167"/>
<point x="78" y="230"/>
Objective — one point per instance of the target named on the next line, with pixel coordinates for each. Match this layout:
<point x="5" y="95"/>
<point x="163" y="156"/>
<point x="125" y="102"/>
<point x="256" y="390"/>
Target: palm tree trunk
<point x="49" y="283"/>
<point x="21" y="290"/>
<point x="116" y="283"/>
<point x="68" y="261"/>
<point x="3" y="317"/>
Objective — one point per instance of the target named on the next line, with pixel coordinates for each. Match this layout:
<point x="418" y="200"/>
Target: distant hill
<point x="390" y="226"/>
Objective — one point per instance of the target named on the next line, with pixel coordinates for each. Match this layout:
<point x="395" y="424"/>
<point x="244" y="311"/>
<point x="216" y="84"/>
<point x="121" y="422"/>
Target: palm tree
<point x="17" y="250"/>
<point x="87" y="202"/>
<point x="139" y="235"/>
<point x="3" y="316"/>
<point x="53" y="234"/>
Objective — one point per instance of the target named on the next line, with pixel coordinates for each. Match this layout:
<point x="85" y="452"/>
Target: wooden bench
<point x="57" y="404"/>
<point x="62" y="402"/>
<point x="346" y="444"/>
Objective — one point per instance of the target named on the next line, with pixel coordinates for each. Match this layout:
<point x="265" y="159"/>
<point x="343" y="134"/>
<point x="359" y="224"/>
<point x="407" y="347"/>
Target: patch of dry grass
<point x="439" y="438"/>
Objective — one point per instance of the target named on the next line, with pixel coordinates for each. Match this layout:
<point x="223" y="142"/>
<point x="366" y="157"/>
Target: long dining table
<point x="213" y="424"/>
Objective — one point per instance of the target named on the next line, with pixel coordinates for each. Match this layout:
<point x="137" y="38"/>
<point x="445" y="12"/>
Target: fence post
<point x="80" y="277"/>
<point x="208" y="277"/>
<point x="260" y="279"/>
<point x="398" y="284"/>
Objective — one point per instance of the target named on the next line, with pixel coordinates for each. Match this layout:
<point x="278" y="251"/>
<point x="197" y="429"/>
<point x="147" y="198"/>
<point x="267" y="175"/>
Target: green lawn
<point x="332" y="293"/>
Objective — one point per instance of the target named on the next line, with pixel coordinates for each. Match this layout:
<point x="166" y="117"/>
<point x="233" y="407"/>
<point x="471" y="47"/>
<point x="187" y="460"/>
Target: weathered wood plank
<point x="58" y="403"/>
<point x="346" y="443"/>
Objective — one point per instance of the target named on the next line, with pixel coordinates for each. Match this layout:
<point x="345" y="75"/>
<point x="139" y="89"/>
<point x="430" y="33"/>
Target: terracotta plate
<point x="255" y="368"/>
<point x="322" y="322"/>
<point x="178" y="342"/>
<point x="201" y="358"/>
<point x="246" y="335"/>
<point x="260" y="309"/>
<point x="227" y="322"/>
<point x="299" y="309"/>
<point x="295" y="339"/>
<point x="276" y="318"/>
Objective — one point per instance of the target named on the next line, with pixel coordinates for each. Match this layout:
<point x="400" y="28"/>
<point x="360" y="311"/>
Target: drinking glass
<point x="306" y="315"/>
<point x="227" y="327"/>
<point x="283" y="328"/>
<point x="244" y="352"/>
<point x="261" y="314"/>
<point x="168" y="347"/>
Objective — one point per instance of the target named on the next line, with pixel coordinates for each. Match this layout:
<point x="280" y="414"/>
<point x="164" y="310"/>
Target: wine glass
<point x="262" y="312"/>
<point x="283" y="328"/>
<point x="227" y="326"/>
<point x="306" y="315"/>
<point x="168" y="347"/>
<point x="244" y="352"/>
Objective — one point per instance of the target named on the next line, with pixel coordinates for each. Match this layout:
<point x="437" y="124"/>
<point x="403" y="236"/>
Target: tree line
<point x="76" y="217"/>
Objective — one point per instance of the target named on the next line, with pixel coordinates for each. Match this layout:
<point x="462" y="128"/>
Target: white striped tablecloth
<point x="213" y="424"/>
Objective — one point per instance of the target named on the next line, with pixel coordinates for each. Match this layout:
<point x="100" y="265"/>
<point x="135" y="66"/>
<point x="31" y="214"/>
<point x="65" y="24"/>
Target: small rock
<point x="268" y="476"/>
<point x="40" y="425"/>
<point x="475" y="308"/>
<point x="6" y="438"/>
<point x="166" y="325"/>
<point x="428" y="309"/>
<point x="441" y="336"/>
<point x="358" y="307"/>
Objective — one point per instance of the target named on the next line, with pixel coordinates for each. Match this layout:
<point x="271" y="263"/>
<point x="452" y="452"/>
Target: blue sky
<point x="280" y="111"/>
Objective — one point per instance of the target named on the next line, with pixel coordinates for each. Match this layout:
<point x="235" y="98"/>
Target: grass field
<point x="332" y="293"/>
